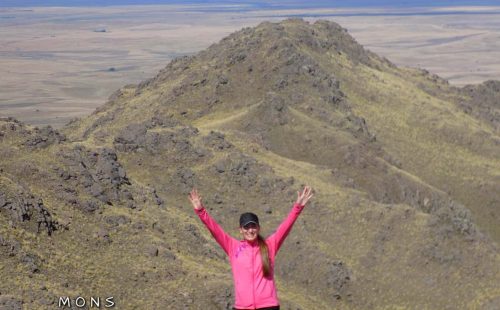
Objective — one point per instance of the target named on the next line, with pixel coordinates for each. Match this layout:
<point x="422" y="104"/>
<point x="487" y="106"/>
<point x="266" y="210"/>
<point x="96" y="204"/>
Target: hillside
<point x="404" y="166"/>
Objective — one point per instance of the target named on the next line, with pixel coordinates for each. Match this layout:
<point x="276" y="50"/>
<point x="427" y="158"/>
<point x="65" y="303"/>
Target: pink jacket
<point x="252" y="289"/>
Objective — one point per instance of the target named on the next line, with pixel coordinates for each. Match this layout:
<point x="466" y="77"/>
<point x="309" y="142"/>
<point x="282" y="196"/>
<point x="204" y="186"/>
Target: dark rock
<point x="139" y="225"/>
<point x="100" y="174"/>
<point x="220" y="166"/>
<point x="44" y="137"/>
<point x="22" y="207"/>
<point x="193" y="230"/>
<point x="103" y="234"/>
<point x="160" y="120"/>
<point x="217" y="141"/>
<point x="152" y="251"/>
<point x="32" y="262"/>
<point x="157" y="227"/>
<point x="222" y="80"/>
<point x="217" y="199"/>
<point x="157" y="198"/>
<point x="3" y="200"/>
<point x="89" y="206"/>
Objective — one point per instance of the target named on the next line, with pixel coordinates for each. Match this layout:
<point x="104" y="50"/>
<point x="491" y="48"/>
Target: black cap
<point x="247" y="218"/>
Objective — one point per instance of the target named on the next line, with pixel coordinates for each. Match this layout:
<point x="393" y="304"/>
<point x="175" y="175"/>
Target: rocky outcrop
<point x="23" y="207"/>
<point x="483" y="102"/>
<point x="43" y="137"/>
<point x="96" y="172"/>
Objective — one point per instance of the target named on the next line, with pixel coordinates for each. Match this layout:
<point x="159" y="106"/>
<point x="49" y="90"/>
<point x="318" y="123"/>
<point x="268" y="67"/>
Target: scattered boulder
<point x="217" y="141"/>
<point x="102" y="234"/>
<point x="167" y="253"/>
<point x="152" y="251"/>
<point x="32" y="262"/>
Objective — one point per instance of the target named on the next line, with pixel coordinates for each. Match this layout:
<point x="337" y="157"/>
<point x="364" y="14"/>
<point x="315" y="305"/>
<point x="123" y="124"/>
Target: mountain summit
<point x="405" y="169"/>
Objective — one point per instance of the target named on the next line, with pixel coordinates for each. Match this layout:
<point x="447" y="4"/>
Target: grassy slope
<point x="395" y="258"/>
<point x="438" y="143"/>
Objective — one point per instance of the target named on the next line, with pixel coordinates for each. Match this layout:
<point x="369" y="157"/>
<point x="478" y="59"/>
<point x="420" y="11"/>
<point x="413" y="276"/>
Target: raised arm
<point x="277" y="238"/>
<point x="222" y="238"/>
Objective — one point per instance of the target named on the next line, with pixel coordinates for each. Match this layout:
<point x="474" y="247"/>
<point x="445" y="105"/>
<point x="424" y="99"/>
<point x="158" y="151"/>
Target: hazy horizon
<point x="253" y="4"/>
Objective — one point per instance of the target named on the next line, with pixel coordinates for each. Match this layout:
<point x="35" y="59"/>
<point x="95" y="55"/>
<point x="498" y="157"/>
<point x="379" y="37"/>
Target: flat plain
<point x="60" y="63"/>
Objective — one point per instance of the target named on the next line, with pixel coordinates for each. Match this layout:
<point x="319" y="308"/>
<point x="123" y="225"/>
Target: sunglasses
<point x="250" y="225"/>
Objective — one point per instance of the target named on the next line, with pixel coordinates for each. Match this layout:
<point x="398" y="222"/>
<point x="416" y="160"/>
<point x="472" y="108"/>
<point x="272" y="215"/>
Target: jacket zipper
<point x="253" y="278"/>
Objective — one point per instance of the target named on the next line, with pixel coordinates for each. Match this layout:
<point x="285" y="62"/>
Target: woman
<point x="252" y="259"/>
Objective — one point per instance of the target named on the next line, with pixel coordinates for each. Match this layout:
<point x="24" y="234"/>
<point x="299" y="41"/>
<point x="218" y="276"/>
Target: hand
<point x="303" y="198"/>
<point x="195" y="199"/>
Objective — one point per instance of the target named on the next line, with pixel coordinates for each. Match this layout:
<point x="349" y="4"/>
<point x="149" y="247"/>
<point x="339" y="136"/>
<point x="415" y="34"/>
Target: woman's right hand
<point x="304" y="196"/>
<point x="195" y="199"/>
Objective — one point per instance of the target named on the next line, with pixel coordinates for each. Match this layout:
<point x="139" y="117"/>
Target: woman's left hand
<point x="304" y="196"/>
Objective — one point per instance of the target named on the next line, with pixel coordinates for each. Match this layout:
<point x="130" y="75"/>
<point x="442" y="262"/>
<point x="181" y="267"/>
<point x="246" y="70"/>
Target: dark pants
<point x="266" y="308"/>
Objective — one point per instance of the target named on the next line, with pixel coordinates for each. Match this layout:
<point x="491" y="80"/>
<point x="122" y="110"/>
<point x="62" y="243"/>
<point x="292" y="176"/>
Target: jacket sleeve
<point x="276" y="239"/>
<point x="222" y="238"/>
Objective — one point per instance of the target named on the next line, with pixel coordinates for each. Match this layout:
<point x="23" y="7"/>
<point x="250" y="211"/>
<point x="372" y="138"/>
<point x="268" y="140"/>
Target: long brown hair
<point x="264" y="253"/>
